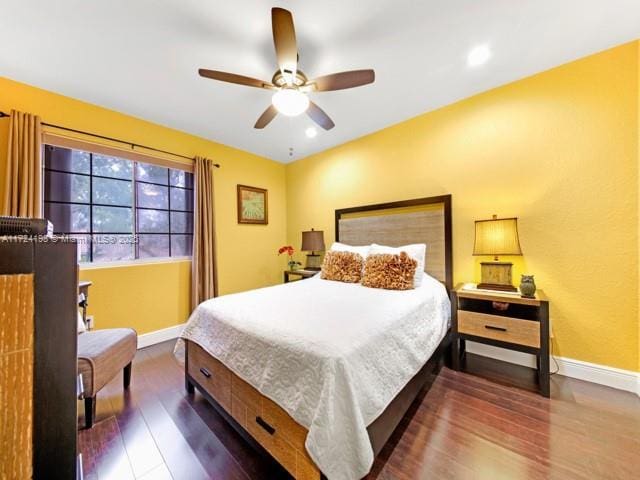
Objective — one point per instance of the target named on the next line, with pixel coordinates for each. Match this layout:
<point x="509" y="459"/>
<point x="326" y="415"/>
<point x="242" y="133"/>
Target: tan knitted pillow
<point x="342" y="267"/>
<point x="389" y="271"/>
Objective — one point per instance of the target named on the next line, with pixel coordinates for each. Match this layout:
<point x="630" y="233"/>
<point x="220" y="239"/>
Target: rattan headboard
<point x="422" y="220"/>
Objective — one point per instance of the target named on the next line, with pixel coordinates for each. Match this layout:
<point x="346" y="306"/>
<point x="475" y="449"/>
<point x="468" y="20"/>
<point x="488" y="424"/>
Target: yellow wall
<point x="559" y="150"/>
<point x="154" y="296"/>
<point x="638" y="139"/>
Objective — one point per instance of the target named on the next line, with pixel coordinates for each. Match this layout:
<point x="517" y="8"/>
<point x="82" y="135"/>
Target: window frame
<point x="135" y="158"/>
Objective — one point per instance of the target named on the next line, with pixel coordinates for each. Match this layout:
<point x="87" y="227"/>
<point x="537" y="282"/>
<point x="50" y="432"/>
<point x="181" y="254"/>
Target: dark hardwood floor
<point x="464" y="427"/>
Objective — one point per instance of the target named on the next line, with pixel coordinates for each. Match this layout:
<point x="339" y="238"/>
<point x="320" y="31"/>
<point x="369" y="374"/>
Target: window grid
<point x="136" y="246"/>
<point x="91" y="233"/>
<point x="169" y="204"/>
<point x="57" y="170"/>
<point x="91" y="207"/>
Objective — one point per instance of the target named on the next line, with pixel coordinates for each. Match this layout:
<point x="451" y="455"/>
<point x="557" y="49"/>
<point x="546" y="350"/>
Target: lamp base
<point x="496" y="276"/>
<point x="313" y="262"/>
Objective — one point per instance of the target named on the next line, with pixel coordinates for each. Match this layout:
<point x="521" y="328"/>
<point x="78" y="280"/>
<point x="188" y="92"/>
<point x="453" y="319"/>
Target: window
<point x="118" y="209"/>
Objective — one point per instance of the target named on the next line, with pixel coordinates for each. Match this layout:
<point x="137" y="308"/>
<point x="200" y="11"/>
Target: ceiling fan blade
<point x="266" y="117"/>
<point x="233" y="78"/>
<point x="319" y="116"/>
<point x="342" y="80"/>
<point x="284" y="40"/>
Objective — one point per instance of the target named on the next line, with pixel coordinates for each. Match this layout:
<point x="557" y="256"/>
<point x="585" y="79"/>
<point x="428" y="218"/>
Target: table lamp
<point x="313" y="241"/>
<point x="497" y="236"/>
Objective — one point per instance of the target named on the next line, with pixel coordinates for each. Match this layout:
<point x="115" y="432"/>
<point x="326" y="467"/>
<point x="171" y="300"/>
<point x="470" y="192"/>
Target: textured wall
<point x="559" y="150"/>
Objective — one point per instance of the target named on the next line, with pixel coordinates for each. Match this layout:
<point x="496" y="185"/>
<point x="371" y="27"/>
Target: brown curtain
<point x="204" y="281"/>
<point x="23" y="180"/>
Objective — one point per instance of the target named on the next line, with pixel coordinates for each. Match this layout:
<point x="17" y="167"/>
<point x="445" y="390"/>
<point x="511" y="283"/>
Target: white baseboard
<point x="569" y="367"/>
<point x="159" y="336"/>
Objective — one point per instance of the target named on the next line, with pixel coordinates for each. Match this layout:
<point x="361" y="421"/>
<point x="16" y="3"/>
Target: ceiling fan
<point x="291" y="85"/>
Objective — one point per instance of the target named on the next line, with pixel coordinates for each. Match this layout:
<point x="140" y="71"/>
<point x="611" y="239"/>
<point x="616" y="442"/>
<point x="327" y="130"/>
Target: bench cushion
<point x="102" y="354"/>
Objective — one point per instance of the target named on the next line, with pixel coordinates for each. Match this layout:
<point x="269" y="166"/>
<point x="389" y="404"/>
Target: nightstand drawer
<point x="522" y="332"/>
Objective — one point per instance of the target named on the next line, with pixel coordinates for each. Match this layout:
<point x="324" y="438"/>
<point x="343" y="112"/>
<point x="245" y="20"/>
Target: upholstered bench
<point x="101" y="355"/>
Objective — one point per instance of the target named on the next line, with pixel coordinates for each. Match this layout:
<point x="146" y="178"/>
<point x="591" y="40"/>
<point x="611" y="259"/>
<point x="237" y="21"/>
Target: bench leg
<point x="127" y="376"/>
<point x="89" y="411"/>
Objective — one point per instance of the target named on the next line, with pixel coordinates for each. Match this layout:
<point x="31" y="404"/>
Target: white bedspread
<point x="332" y="354"/>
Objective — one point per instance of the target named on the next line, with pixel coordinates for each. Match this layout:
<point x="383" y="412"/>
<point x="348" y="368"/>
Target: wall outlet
<point x="90" y="322"/>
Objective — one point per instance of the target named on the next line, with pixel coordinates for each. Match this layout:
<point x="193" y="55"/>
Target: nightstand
<point x="302" y="273"/>
<point x="502" y="320"/>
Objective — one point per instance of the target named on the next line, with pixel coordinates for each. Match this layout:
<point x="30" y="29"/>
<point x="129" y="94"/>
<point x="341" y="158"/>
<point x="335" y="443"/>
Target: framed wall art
<point x="253" y="205"/>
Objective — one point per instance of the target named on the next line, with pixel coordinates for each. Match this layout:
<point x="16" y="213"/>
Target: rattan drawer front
<point x="295" y="433"/>
<point x="273" y="428"/>
<point x="305" y="468"/>
<point x="211" y="374"/>
<point x="272" y="440"/>
<point x="512" y="330"/>
<point x="246" y="398"/>
<point x="246" y="393"/>
<point x="239" y="411"/>
<point x="265" y="421"/>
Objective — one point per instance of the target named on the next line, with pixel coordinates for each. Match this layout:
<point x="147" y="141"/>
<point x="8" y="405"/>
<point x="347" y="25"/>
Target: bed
<point x="319" y="373"/>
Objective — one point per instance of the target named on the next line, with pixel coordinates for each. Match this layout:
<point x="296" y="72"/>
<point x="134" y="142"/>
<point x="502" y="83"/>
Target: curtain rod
<point x="133" y="145"/>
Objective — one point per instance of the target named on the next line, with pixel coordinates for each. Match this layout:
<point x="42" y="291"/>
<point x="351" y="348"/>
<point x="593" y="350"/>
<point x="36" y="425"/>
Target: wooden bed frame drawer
<point x="273" y="440"/>
<point x="275" y="416"/>
<point x="246" y="393"/>
<point x="263" y="419"/>
<point x="273" y="428"/>
<point x="211" y="374"/>
<point x="279" y="444"/>
<point x="521" y="332"/>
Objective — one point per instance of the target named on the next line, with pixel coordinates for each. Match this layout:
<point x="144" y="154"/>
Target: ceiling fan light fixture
<point x="290" y="84"/>
<point x="290" y="102"/>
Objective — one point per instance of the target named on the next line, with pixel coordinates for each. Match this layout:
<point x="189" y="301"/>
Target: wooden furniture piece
<point x="268" y="427"/>
<point x="38" y="334"/>
<point x="101" y="355"/>
<point x="502" y="320"/>
<point x="298" y="273"/>
<point x="16" y="362"/>
<point x="264" y="420"/>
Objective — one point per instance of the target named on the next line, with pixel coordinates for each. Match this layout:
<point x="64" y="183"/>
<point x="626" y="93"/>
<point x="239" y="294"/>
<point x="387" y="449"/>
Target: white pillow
<point x="362" y="250"/>
<point x="417" y="251"/>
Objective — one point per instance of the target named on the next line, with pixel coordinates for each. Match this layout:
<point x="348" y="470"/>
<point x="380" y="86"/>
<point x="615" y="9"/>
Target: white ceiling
<point x="141" y="57"/>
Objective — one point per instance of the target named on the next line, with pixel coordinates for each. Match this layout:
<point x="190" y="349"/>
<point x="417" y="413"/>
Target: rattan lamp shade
<point x="313" y="241"/>
<point x="497" y="237"/>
